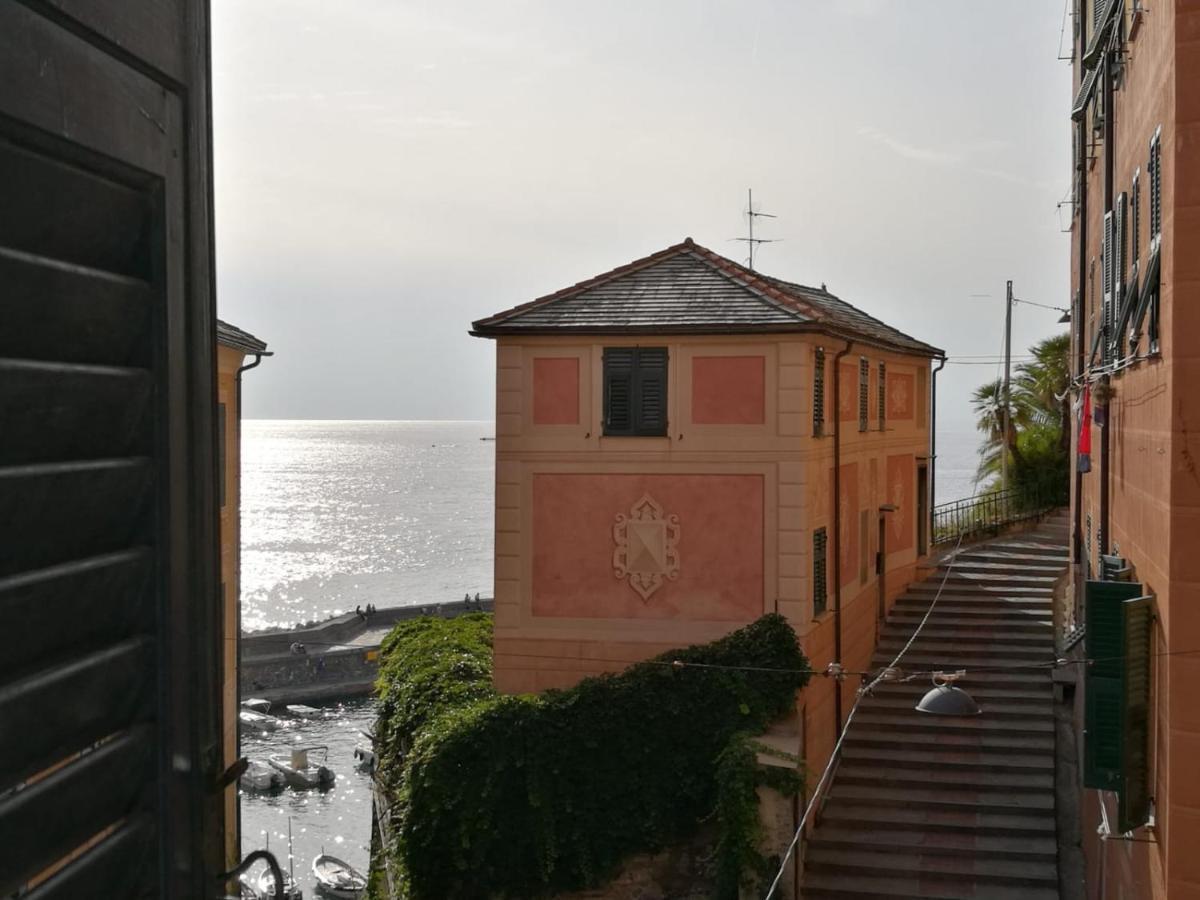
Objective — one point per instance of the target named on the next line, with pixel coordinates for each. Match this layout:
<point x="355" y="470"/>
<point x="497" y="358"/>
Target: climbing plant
<point x="527" y="796"/>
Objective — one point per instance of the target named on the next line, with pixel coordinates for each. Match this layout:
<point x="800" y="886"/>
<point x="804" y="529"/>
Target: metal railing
<point x="988" y="513"/>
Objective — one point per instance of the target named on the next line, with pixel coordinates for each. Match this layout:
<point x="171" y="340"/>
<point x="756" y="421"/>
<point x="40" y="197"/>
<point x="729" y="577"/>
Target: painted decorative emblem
<point x="647" y="551"/>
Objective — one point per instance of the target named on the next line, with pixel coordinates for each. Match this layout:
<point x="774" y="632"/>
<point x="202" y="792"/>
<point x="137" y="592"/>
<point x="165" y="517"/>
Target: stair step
<point x="900" y="819"/>
<point x="1021" y="709"/>
<point x="1029" y="562"/>
<point x="993" y="575"/>
<point x="939" y="620"/>
<point x="827" y="886"/>
<point x="924" y="740"/>
<point x="932" y="866"/>
<point x="959" y="799"/>
<point x="1036" y="638"/>
<point x="941" y="843"/>
<point x="916" y="721"/>
<point x="978" y="587"/>
<point x="1038" y="651"/>
<point x="1036" y="695"/>
<point x="921" y="660"/>
<point x="934" y="778"/>
<point x="949" y="758"/>
<point x="1048" y="549"/>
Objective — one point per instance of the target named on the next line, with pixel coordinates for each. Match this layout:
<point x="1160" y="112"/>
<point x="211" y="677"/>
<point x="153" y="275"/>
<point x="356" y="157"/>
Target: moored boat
<point x="261" y="777"/>
<point x="266" y="886"/>
<point x="300" y="711"/>
<point x="299" y="771"/>
<point x="257" y="704"/>
<point x="337" y="878"/>
<point x="255" y="721"/>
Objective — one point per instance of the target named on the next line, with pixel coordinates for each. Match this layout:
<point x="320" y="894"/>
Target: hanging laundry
<point x="1084" y="462"/>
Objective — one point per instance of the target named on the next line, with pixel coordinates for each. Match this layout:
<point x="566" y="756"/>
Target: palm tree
<point x="1038" y="402"/>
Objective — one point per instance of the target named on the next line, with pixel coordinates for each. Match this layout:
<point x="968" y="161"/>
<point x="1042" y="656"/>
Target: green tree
<point x="1037" y="442"/>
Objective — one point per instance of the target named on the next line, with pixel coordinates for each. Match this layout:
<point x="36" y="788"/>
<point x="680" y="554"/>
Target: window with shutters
<point x="1117" y="697"/>
<point x="1106" y="281"/>
<point x="1135" y="217"/>
<point x="864" y="380"/>
<point x="1118" y="276"/>
<point x="1087" y="542"/>
<point x="882" y="399"/>
<point x="820" y="593"/>
<point x="1154" y="170"/>
<point x="818" y="402"/>
<point x="635" y="391"/>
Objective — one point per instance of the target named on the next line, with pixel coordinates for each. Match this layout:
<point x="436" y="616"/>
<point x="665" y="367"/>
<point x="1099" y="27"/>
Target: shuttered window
<point x="820" y="592"/>
<point x="1154" y="170"/>
<point x="1106" y="264"/>
<point x="864" y="379"/>
<point x="1135" y="217"/>
<point x="818" y="401"/>
<point x="1118" y="276"/>
<point x="882" y="396"/>
<point x="635" y="391"/>
<point x="1117" y="696"/>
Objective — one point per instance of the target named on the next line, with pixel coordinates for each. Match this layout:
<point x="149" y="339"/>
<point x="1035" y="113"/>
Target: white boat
<point x="266" y="886"/>
<point x="300" y="772"/>
<point x="261" y="777"/>
<point x="255" y="721"/>
<point x="337" y="878"/>
<point x="257" y="704"/>
<point x="303" y="712"/>
<point x="247" y="889"/>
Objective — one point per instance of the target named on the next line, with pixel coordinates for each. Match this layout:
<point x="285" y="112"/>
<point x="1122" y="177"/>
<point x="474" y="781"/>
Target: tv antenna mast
<point x="751" y="215"/>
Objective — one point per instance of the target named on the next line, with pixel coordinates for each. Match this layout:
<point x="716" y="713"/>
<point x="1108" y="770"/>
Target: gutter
<point x="933" y="448"/>
<point x="837" y="530"/>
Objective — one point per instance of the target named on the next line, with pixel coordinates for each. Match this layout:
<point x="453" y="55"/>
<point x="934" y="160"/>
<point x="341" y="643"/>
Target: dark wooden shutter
<point x="651" y="395"/>
<point x="883" y="396"/>
<point x="1118" y="276"/>
<point x="109" y="683"/>
<point x="818" y="398"/>
<point x="864" y="387"/>
<point x="1154" y="169"/>
<point x="820" y="590"/>
<point x="618" y="390"/>
<point x="1105" y="683"/>
<point x="1106" y="252"/>
<point x="1135" y="224"/>
<point x="1133" y="808"/>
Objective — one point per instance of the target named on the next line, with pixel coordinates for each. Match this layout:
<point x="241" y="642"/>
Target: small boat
<point x="257" y="704"/>
<point x="261" y="777"/>
<point x="247" y="889"/>
<point x="299" y="772"/>
<point x="300" y="711"/>
<point x="266" y="886"/>
<point x="255" y="721"/>
<point x="337" y="878"/>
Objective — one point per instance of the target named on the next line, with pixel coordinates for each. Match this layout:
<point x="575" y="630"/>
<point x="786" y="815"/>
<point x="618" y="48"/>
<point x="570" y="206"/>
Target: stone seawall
<point x="341" y="657"/>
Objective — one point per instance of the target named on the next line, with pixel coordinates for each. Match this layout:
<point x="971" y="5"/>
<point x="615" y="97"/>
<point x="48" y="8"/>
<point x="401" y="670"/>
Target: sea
<point x="341" y="514"/>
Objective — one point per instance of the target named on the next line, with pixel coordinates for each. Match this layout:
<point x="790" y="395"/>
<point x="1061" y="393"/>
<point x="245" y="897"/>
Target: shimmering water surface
<point x="337" y="514"/>
<point x="337" y="819"/>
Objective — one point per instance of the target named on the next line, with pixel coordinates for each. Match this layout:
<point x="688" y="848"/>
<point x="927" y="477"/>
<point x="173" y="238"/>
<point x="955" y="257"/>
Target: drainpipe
<point x="237" y="676"/>
<point x="933" y="447"/>
<point x="837" y="530"/>
<point x="1108" y="205"/>
<point x="1079" y="326"/>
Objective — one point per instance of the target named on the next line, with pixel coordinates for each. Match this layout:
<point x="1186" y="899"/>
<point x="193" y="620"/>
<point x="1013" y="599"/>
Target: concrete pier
<point x="341" y="657"/>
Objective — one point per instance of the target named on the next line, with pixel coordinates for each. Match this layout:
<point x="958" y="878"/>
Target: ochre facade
<point x="740" y="482"/>
<point x="1151" y="514"/>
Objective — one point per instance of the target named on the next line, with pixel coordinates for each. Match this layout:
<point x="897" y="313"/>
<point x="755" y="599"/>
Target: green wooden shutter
<point x="650" y="394"/>
<point x="618" y="390"/>
<point x="1117" y="696"/>
<point x="818" y="400"/>
<point x="1133" y="808"/>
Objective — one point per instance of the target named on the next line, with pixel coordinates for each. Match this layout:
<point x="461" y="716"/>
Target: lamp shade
<point x="947" y="700"/>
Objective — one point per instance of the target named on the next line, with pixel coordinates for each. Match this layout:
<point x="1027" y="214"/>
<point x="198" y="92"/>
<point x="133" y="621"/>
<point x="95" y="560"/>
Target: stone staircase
<point x="932" y="807"/>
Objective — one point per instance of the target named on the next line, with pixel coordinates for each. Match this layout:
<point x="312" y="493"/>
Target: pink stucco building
<point x="683" y="445"/>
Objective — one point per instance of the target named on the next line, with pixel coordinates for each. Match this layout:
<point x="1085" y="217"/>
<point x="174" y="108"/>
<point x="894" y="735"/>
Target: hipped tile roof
<point x="685" y="289"/>
<point x="232" y="336"/>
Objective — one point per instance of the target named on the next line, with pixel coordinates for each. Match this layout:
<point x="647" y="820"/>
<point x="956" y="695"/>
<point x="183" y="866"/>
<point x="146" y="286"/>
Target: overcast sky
<point x="388" y="171"/>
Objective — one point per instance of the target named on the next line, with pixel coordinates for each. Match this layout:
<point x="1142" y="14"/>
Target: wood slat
<point x="124" y="863"/>
<point x="148" y="29"/>
<point x="60" y="211"/>
<point x="56" y="412"/>
<point x="49" y="818"/>
<point x="56" y="513"/>
<point x="65" y="708"/>
<point x="58" y="311"/>
<point x="69" y="609"/>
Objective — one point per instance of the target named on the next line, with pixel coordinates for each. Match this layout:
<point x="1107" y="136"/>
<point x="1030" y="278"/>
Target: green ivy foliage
<point x="527" y="796"/>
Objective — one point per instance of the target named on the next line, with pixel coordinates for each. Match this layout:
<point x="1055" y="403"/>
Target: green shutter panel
<point x="1104" y="685"/>
<point x="1133" y="808"/>
<point x="618" y="390"/>
<point x="651" y="391"/>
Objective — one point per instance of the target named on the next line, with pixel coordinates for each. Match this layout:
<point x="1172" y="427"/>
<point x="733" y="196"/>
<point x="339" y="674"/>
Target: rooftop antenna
<point x="752" y="214"/>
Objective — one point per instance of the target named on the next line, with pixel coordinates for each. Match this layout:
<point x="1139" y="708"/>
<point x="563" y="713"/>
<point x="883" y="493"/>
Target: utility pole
<point x="1004" y="393"/>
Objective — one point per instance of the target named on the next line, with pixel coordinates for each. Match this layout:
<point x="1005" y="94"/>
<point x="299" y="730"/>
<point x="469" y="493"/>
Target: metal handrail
<point x="988" y="513"/>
